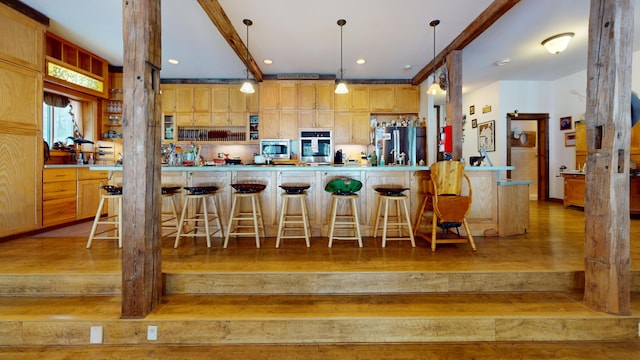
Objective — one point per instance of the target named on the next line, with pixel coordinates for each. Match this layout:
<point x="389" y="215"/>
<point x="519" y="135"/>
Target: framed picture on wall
<point x="474" y="123"/>
<point x="565" y="123"/>
<point x="487" y="136"/>
<point x="570" y="139"/>
<point x="472" y="109"/>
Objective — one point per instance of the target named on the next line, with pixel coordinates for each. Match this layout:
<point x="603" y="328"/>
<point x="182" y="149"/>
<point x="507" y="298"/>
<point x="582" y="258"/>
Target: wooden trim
<point x="221" y="21"/>
<point x="27" y="10"/>
<point x="487" y="18"/>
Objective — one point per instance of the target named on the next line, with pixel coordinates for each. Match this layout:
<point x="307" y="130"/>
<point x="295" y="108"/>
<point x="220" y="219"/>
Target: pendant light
<point x="433" y="89"/>
<point x="247" y="86"/>
<point x="342" y="86"/>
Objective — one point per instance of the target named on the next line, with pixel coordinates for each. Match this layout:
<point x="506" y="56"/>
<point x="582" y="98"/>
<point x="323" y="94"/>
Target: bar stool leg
<point x="377" y="222"/>
<point x="256" y="227"/>
<point x="206" y="221"/>
<point x="408" y="217"/>
<point x="334" y="206"/>
<point x="354" y="209"/>
<point x="96" y="220"/>
<point x="232" y="214"/>
<point x="305" y="220"/>
<point x="119" y="199"/>
<point x="283" y="211"/>
<point x="385" y="222"/>
<point x="181" y="223"/>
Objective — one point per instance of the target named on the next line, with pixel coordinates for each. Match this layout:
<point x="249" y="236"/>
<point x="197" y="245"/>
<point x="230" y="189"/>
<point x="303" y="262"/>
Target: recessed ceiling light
<point x="361" y="61"/>
<point x="173" y="61"/>
<point x="504" y="61"/>
<point x="407" y="67"/>
<point x="268" y="61"/>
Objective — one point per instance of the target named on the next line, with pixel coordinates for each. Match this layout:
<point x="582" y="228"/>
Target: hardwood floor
<point x="542" y="267"/>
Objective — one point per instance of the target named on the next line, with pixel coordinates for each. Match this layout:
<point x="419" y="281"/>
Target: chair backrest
<point x="446" y="177"/>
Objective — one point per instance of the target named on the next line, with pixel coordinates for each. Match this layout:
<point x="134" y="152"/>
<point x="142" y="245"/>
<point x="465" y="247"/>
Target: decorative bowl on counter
<point x="248" y="187"/>
<point x="390" y="191"/>
<point x="200" y="190"/>
<point x="233" y="161"/>
<point x="295" y="188"/>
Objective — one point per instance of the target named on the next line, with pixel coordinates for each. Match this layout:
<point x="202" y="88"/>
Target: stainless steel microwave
<point x="276" y="148"/>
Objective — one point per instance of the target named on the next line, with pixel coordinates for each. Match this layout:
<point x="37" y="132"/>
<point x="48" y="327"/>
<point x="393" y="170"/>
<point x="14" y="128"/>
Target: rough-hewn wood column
<point x="454" y="101"/>
<point x="141" y="265"/>
<point x="608" y="122"/>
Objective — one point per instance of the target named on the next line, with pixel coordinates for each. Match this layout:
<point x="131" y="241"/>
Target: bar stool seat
<point x="294" y="191"/>
<point x="112" y="222"/>
<point x="170" y="219"/>
<point x="397" y="221"/>
<point x="201" y="215"/>
<point x="238" y="219"/>
<point x="344" y="190"/>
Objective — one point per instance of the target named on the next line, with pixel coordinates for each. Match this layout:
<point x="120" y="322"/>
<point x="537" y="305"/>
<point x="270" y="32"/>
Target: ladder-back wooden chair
<point x="449" y="205"/>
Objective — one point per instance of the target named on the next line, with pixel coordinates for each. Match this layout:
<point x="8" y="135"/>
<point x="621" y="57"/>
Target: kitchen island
<point x="484" y="218"/>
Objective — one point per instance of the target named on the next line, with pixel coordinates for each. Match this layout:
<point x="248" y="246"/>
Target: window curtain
<point x="56" y="100"/>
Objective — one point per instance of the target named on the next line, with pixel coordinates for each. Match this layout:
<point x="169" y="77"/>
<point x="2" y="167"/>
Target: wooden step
<point x="300" y="319"/>
<point x="308" y="283"/>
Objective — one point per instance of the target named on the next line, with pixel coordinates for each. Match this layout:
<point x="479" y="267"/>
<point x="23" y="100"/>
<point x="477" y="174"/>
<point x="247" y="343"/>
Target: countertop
<point x="302" y="168"/>
<point x="573" y="172"/>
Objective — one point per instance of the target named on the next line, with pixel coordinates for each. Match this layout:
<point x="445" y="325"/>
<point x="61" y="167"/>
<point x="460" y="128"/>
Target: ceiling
<point x="302" y="37"/>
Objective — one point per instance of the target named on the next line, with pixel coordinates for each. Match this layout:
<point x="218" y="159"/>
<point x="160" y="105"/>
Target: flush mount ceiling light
<point x="433" y="89"/>
<point x="173" y="61"/>
<point x="342" y="86"/>
<point x="361" y="61"/>
<point x="247" y="86"/>
<point x="557" y="43"/>
<point x="268" y="61"/>
<point x="503" y="62"/>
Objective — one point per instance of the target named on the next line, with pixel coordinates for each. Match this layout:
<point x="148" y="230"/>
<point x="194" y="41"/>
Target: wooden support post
<point x="454" y="101"/>
<point x="608" y="122"/>
<point x="141" y="265"/>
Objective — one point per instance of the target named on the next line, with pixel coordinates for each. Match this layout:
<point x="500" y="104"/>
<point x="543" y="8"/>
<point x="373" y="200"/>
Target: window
<point x="59" y="123"/>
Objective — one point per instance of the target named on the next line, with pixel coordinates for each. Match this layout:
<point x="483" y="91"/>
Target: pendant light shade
<point x="433" y="89"/>
<point x="341" y="88"/>
<point x="247" y="86"/>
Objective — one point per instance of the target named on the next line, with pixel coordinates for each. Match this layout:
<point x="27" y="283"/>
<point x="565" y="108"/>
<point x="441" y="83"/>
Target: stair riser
<point x="306" y="283"/>
<point x="299" y="331"/>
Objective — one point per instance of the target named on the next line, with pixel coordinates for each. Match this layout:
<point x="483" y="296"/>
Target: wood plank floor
<point x="554" y="242"/>
<point x="552" y="245"/>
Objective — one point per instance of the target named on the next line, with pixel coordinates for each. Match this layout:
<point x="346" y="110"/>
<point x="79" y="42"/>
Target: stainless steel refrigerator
<point x="402" y="145"/>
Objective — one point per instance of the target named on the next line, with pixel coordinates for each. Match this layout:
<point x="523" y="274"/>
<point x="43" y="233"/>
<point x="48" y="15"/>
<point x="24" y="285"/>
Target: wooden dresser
<point x="574" y="190"/>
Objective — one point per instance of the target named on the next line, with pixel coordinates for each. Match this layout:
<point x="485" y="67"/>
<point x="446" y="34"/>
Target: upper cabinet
<point x="357" y="99"/>
<point x="315" y="95"/>
<point x="21" y="40"/>
<point x="71" y="66"/>
<point x="394" y="99"/>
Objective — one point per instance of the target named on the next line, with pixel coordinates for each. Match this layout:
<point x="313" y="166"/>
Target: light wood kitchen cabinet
<point x="357" y="99"/>
<point x="269" y="95"/>
<point x="288" y="95"/>
<point x="407" y="99"/>
<point x="574" y="189"/>
<point x="21" y="66"/>
<point x="382" y="98"/>
<point x="58" y="196"/>
<point x="279" y="125"/>
<point x="193" y="105"/>
<point x="89" y="192"/>
<point x="315" y="95"/>
<point x="168" y="99"/>
<point x="352" y="128"/>
<point x="315" y="119"/>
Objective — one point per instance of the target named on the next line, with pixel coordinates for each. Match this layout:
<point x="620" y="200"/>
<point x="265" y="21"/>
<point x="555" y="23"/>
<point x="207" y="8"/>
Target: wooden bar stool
<point x="170" y="219"/>
<point x="240" y="218"/>
<point x="113" y="222"/>
<point x="398" y="221"/>
<point x="202" y="215"/>
<point x="294" y="191"/>
<point x="344" y="189"/>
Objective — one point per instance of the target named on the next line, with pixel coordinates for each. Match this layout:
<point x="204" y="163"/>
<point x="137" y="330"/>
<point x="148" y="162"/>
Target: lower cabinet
<point x="70" y="194"/>
<point x="89" y="192"/>
<point x="58" y="196"/>
<point x="574" y="187"/>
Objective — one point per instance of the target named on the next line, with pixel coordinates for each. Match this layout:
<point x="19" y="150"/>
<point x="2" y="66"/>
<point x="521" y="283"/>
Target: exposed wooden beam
<point x="608" y="123"/>
<point x="487" y="18"/>
<point x="141" y="186"/>
<point x="221" y="21"/>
